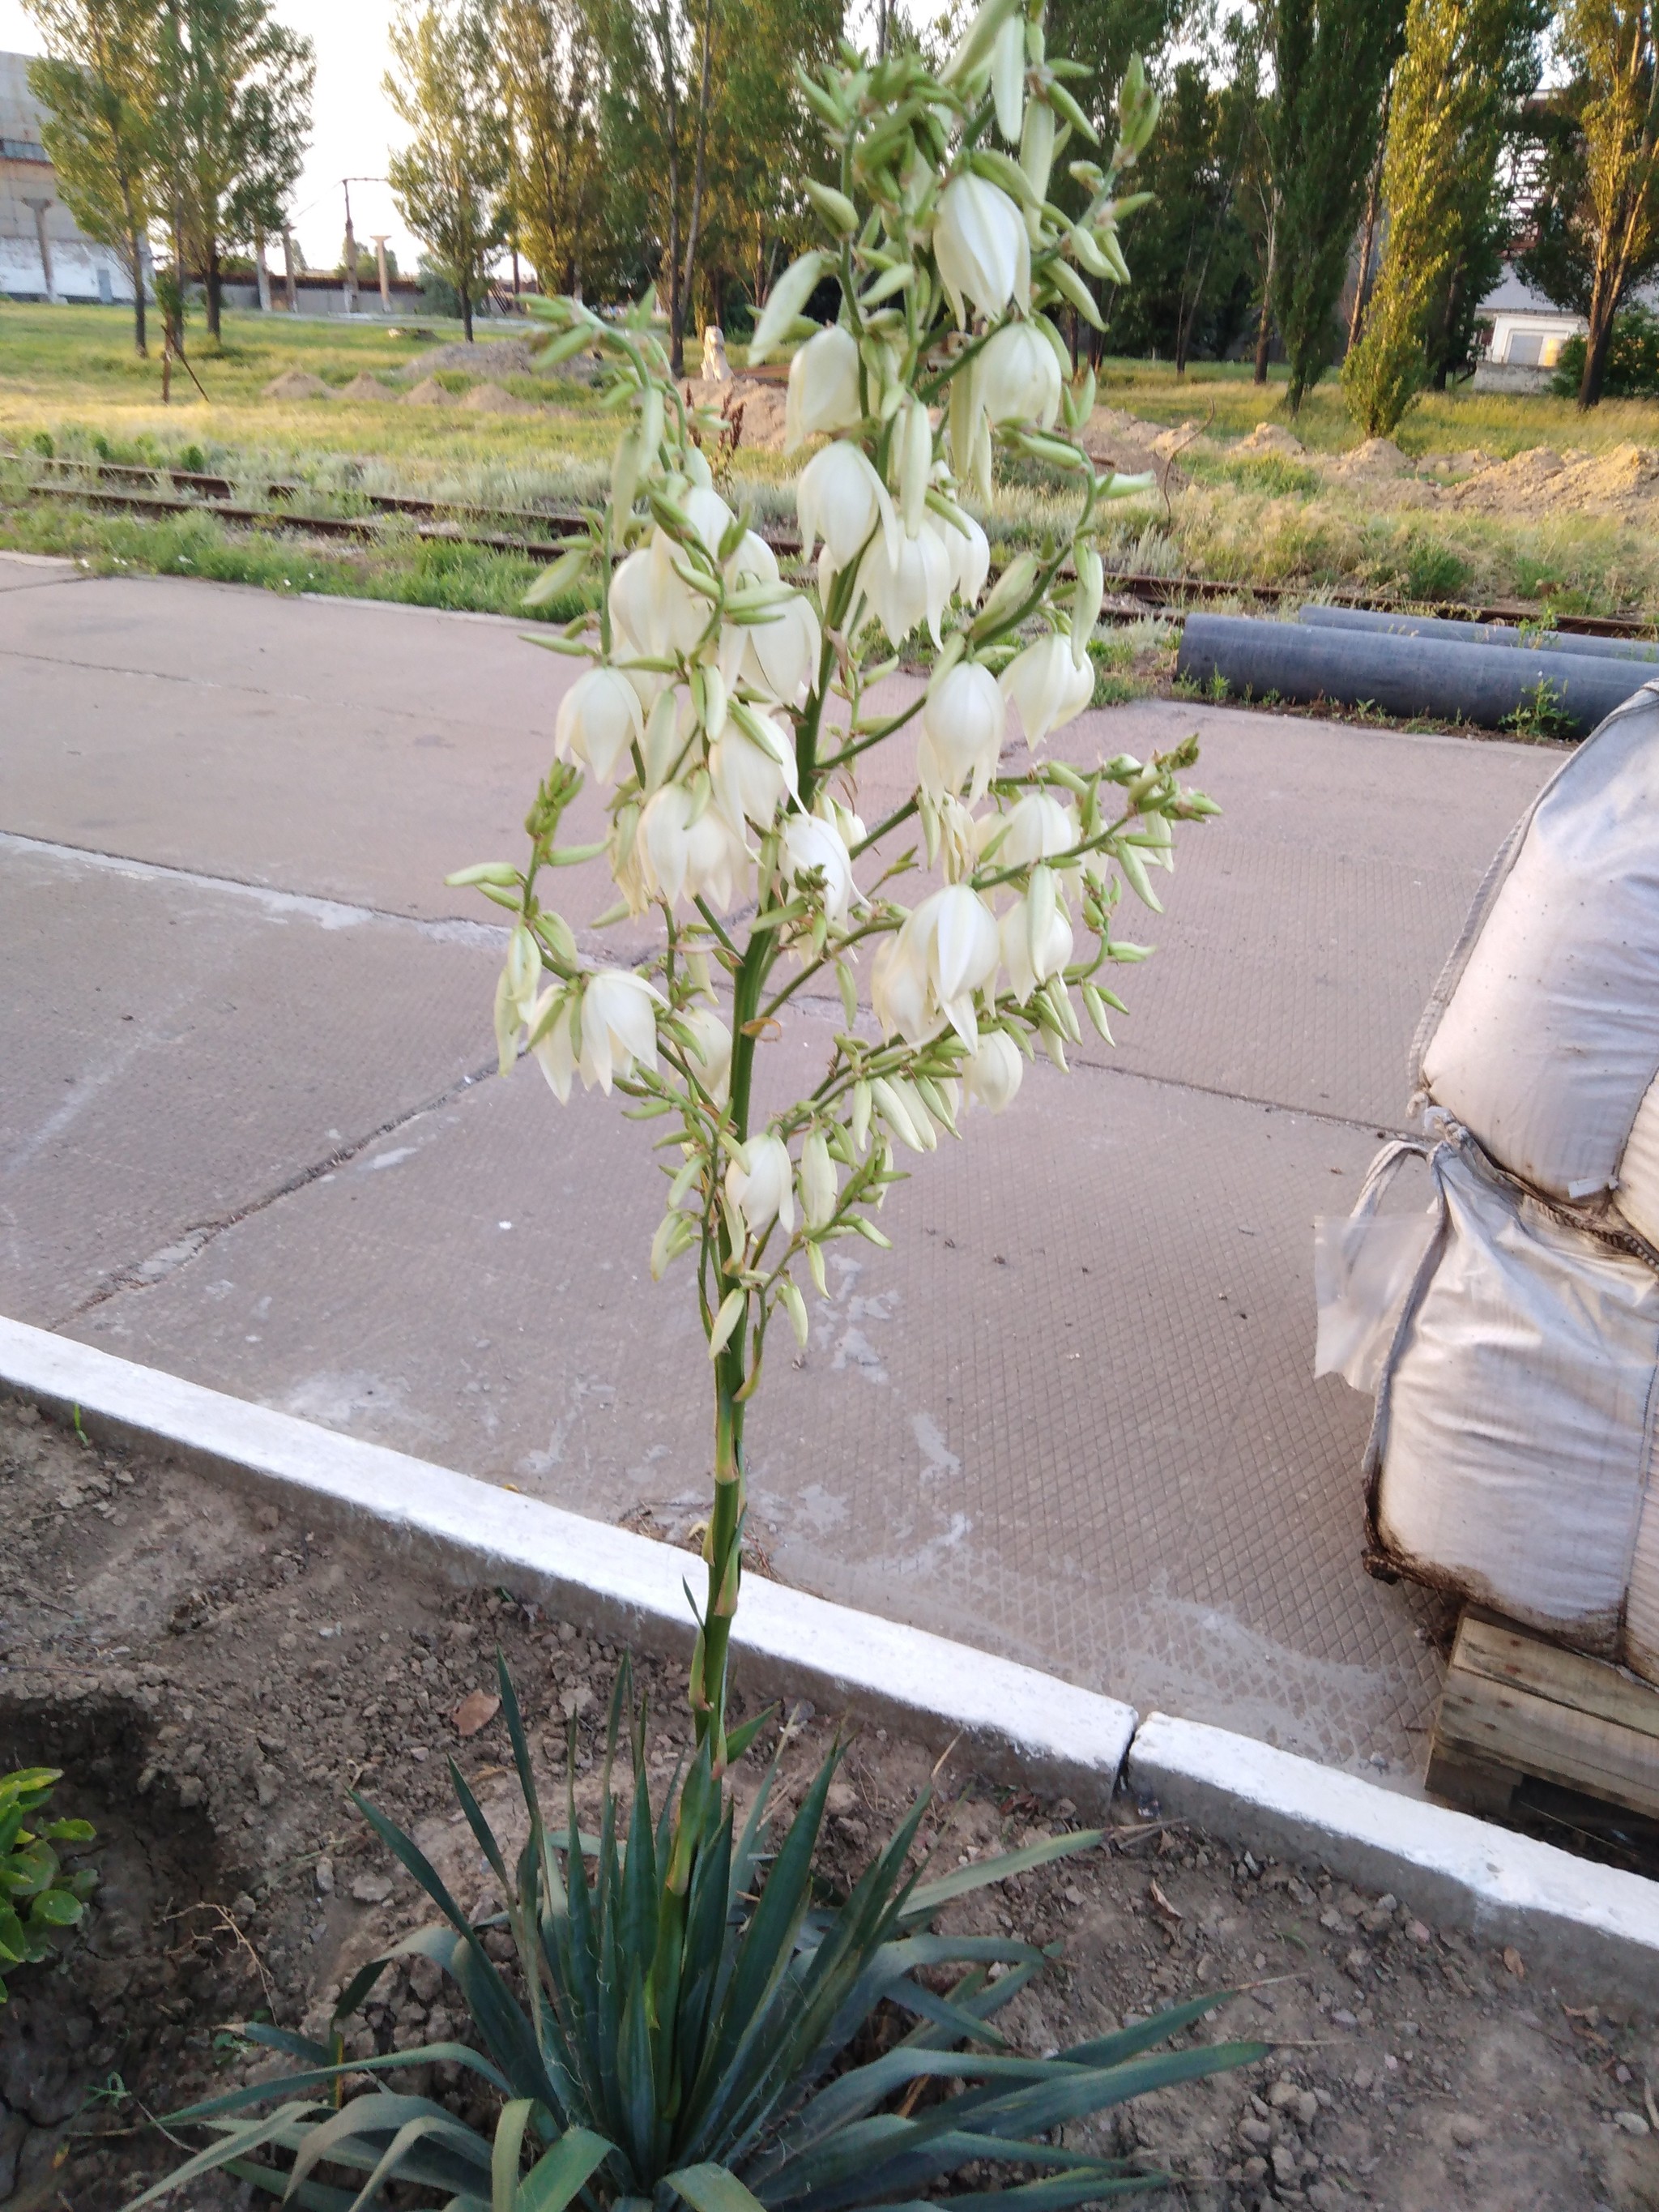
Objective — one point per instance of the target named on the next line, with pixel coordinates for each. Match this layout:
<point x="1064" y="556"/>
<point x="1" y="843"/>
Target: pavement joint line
<point x="1596" y="1927"/>
<point x="329" y="914"/>
<point x="195" y="1238"/>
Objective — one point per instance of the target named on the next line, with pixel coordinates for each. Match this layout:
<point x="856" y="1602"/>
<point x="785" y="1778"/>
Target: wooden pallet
<point x="1514" y="1705"/>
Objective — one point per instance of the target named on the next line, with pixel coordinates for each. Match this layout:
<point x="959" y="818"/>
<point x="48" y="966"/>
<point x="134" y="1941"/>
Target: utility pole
<point x="46" y="277"/>
<point x="381" y="237"/>
<point x="350" y="252"/>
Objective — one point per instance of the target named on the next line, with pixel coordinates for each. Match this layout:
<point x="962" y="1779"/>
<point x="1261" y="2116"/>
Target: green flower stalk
<point x="727" y="711"/>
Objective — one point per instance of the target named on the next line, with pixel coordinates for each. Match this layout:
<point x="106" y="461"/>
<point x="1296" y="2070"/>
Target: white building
<point x="1523" y="334"/>
<point x="43" y="255"/>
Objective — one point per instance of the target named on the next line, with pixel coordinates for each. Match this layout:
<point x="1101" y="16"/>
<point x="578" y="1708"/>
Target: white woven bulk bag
<point x="1543" y="1035"/>
<point x="1640" y="1647"/>
<point x="1515" y="1403"/>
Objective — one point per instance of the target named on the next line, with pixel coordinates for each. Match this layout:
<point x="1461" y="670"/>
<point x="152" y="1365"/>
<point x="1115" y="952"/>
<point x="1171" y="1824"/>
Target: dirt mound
<point x="486" y="357"/>
<point x="1622" y="482"/>
<point x="298" y="383"/>
<point x="1466" y="463"/>
<point x="1375" y="457"/>
<point x="366" y="387"/>
<point x="1113" y="437"/>
<point x="1272" y="438"/>
<point x="489" y="398"/>
<point x="428" y="392"/>
<point x="753" y="403"/>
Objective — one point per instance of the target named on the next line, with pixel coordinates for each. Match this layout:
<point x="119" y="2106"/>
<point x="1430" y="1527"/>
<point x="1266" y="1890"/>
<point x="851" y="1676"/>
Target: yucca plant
<point x="691" y="2020"/>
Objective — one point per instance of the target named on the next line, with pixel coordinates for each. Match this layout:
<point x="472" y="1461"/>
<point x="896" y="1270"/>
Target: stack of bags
<point x="1510" y="1334"/>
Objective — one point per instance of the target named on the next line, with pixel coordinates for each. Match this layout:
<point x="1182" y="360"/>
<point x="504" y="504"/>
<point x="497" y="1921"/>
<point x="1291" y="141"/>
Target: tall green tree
<point x="1454" y="95"/>
<point x="1331" y="61"/>
<point x="234" y="115"/>
<point x="1597" y="221"/>
<point x="450" y="181"/>
<point x="551" y="66"/>
<point x="98" y="96"/>
<point x="660" y="93"/>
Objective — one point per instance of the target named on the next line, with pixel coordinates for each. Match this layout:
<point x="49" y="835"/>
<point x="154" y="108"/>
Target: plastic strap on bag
<point x="1364" y="1265"/>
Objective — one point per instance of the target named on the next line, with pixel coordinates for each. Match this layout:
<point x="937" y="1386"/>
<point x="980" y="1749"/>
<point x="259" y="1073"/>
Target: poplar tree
<point x="1453" y="96"/>
<point x="232" y="116"/>
<point x="1331" y="60"/>
<point x="97" y="90"/>
<point x="552" y="72"/>
<point x="450" y="181"/>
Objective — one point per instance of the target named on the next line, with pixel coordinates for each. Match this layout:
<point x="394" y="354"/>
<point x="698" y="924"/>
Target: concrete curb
<point x="1018" y="1724"/>
<point x="1596" y="1926"/>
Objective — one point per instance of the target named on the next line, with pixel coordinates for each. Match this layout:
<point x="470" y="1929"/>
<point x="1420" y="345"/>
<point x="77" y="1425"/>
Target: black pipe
<point x="1487" y="685"/>
<point x="1476" y="632"/>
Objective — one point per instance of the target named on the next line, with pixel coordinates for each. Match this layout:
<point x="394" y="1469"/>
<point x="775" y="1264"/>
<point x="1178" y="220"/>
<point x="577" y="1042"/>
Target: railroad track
<point x="117" y="486"/>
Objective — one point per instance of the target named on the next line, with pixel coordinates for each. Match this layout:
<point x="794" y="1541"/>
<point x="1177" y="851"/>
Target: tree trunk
<point x="140" y="333"/>
<point x="215" y="286"/>
<point x="1264" y="328"/>
<point x="1605" y="290"/>
<point x="465" y="290"/>
<point x="1367" y="240"/>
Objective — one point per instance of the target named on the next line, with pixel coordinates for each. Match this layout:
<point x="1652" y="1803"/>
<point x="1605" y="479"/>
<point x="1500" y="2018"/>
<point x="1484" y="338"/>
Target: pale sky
<point x="351" y="129"/>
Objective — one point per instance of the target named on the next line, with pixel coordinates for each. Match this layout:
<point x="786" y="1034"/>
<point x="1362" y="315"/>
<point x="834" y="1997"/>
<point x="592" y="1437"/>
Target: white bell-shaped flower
<point x="957" y="932"/>
<point x="982" y="247"/>
<point x="1017" y="377"/>
<point x="1048" y="687"/>
<point x="711" y="1054"/>
<point x="970" y="549"/>
<point x="632" y="617"/>
<point x="618" y="1032"/>
<point x="992" y="1077"/>
<point x="911" y="587"/>
<point x="760" y="1181"/>
<point x="751" y="765"/>
<point x="810" y="843"/>
<point x="1036" y="936"/>
<point x="781" y="655"/>
<point x="600" y="718"/>
<point x="710" y="516"/>
<point x="691" y="850"/>
<point x="820" y="1187"/>
<point x="1038" y="827"/>
<point x="678" y="616"/>
<point x="900" y="992"/>
<point x="840" y="499"/>
<point x="823" y="388"/>
<point x="962" y="724"/>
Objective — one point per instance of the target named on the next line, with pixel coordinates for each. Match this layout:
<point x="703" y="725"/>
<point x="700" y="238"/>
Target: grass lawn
<point x="70" y="384"/>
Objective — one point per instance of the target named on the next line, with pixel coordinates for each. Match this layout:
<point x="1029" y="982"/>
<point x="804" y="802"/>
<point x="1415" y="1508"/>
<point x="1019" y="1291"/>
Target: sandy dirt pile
<point x="428" y="392"/>
<point x="298" y="383"/>
<point x="1272" y="438"/>
<point x="216" y="1675"/>
<point x="1377" y="459"/>
<point x="754" y="404"/>
<point x="1466" y="463"/>
<point x="489" y="399"/>
<point x="365" y="386"/>
<point x="1623" y="482"/>
<point x="485" y="357"/>
<point x="1113" y="437"/>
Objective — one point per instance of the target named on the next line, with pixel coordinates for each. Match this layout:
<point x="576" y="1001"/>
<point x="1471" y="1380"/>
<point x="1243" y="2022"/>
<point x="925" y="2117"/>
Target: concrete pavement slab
<point x="1070" y="1416"/>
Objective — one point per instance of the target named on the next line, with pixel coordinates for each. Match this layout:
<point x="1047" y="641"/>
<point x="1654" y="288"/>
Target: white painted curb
<point x="1017" y="1723"/>
<point x="1596" y="1926"/>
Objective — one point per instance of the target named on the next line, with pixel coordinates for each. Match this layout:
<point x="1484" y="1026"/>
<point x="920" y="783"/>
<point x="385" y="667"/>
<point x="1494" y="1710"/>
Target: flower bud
<point x="819" y="1188"/>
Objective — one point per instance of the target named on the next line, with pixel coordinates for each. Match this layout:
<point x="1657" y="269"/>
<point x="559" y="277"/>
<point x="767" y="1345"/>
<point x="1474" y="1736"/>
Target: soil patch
<point x="428" y="392"/>
<point x="1113" y="438"/>
<point x="1623" y="482"/>
<point x="298" y="383"/>
<point x="752" y="405"/>
<point x="216" y="1676"/>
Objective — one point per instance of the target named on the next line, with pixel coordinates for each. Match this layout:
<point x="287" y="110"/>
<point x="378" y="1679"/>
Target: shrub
<point x="1632" y="370"/>
<point x="37" y="1899"/>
